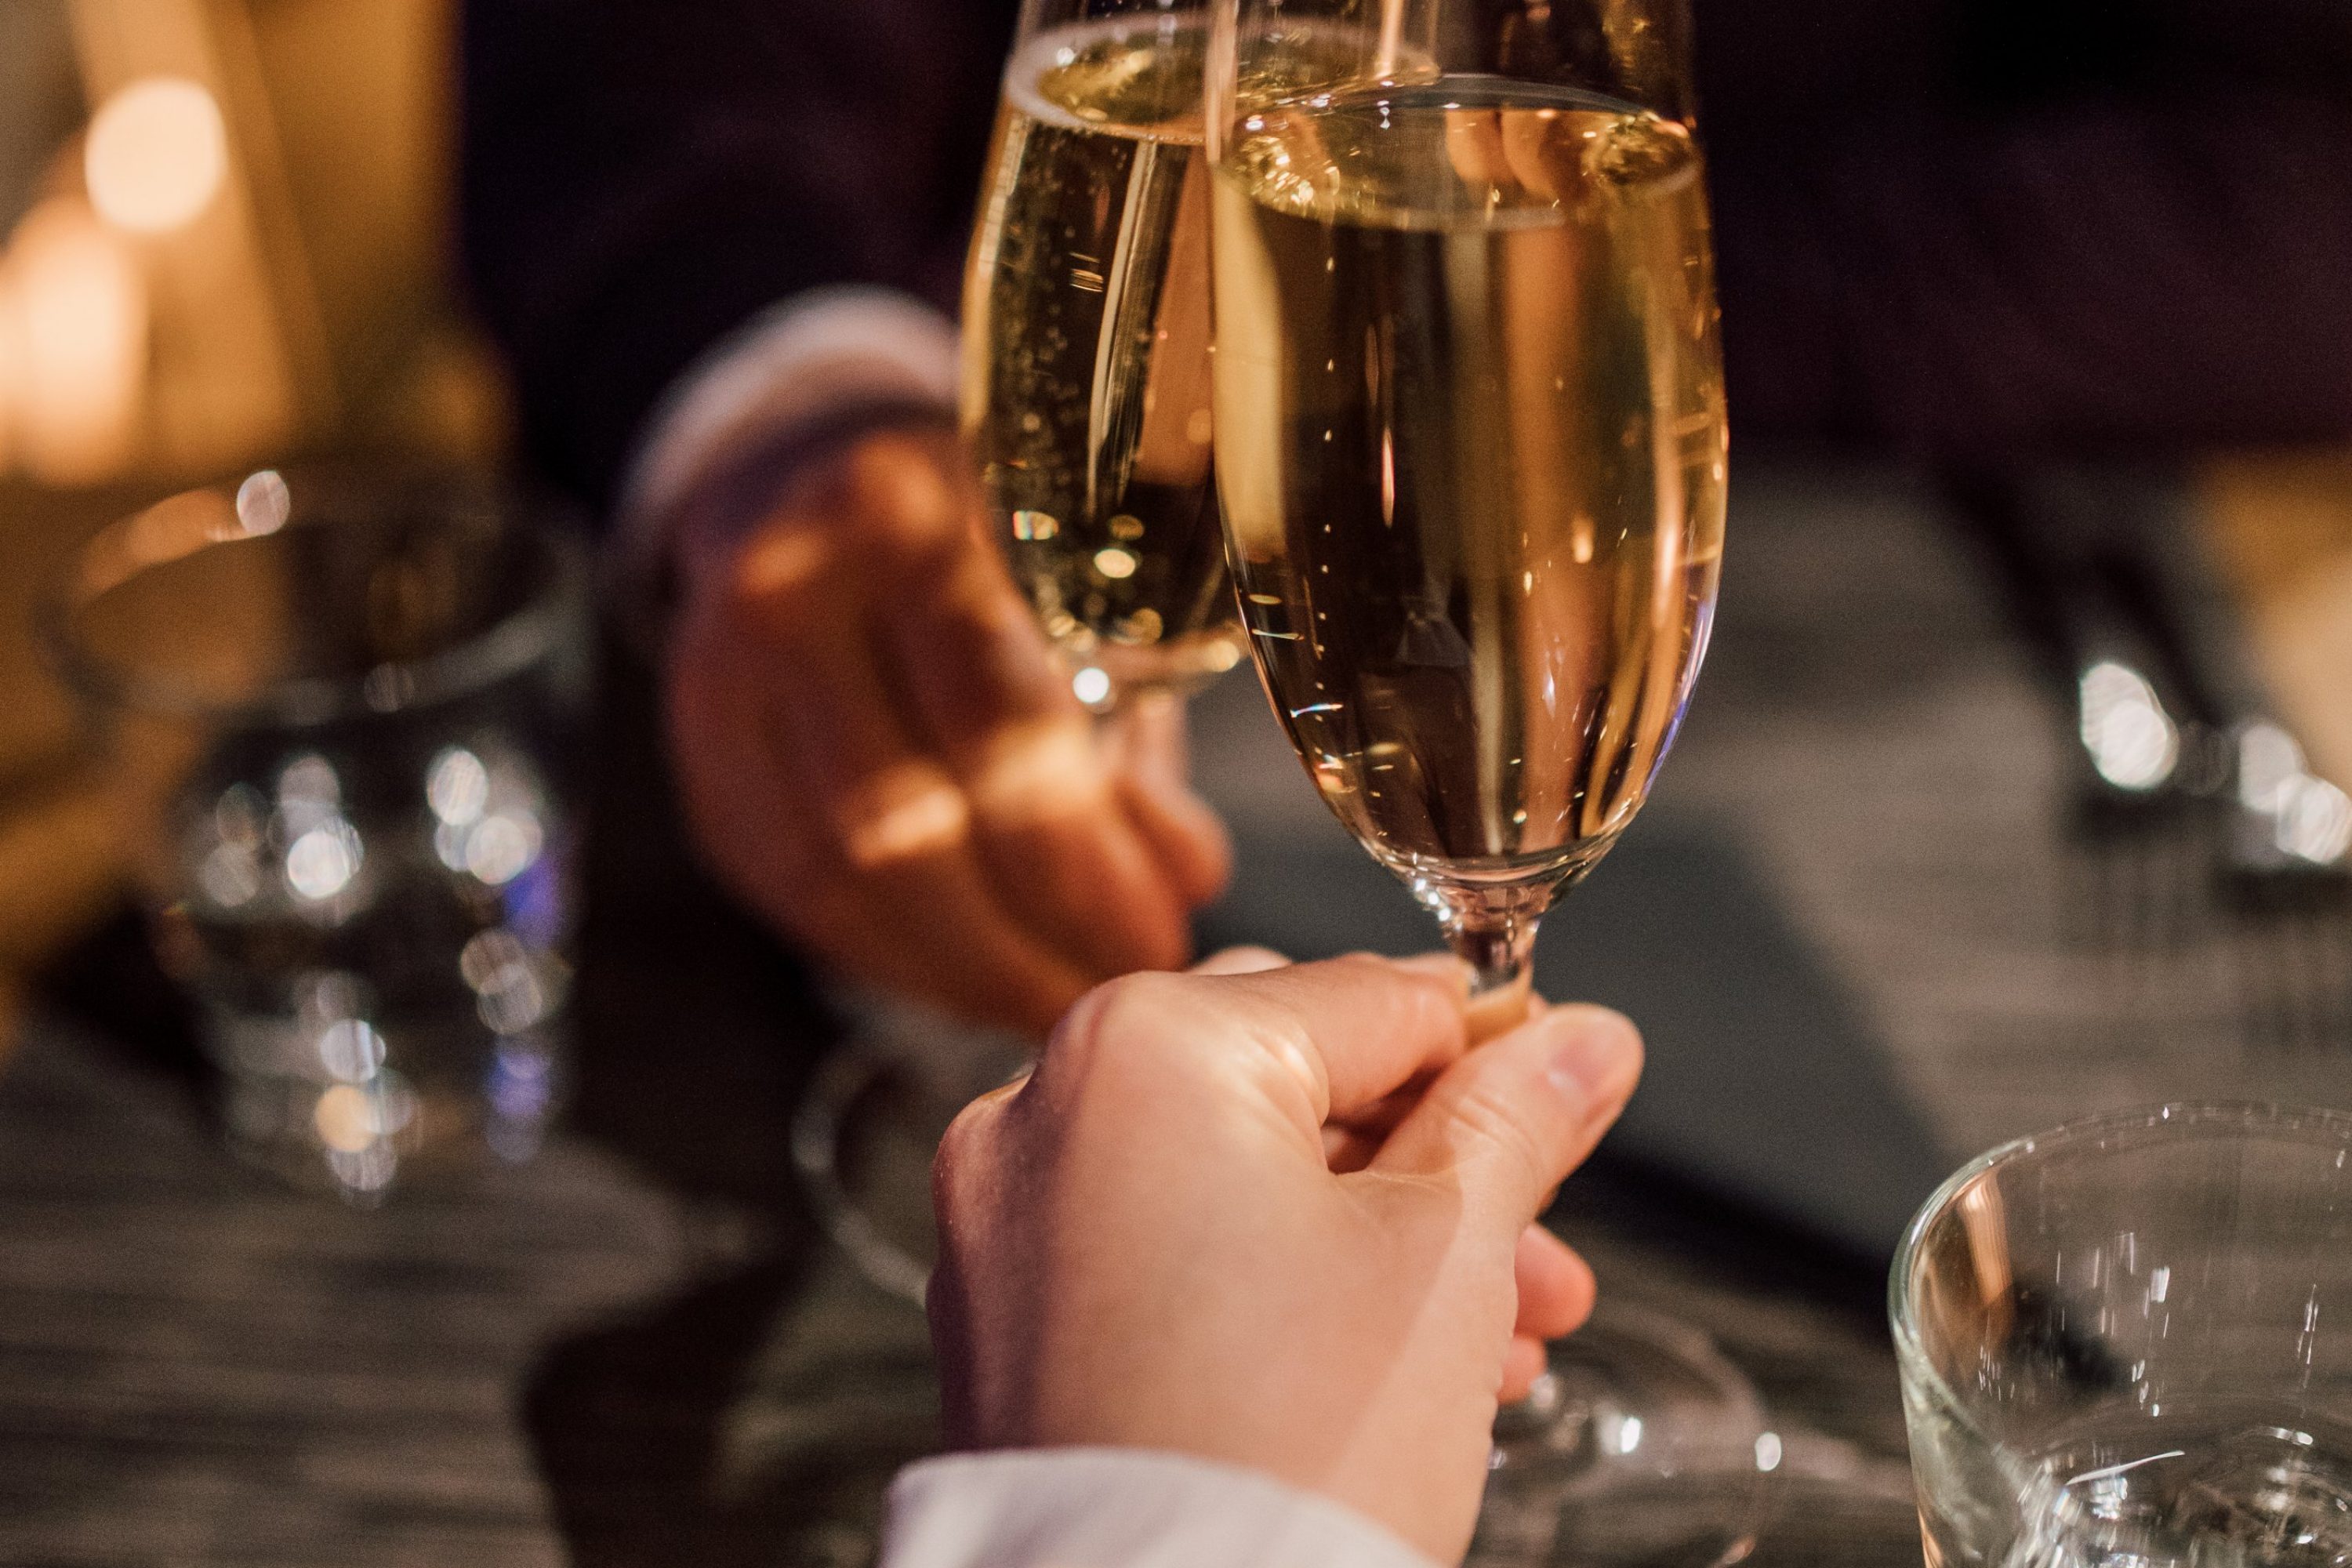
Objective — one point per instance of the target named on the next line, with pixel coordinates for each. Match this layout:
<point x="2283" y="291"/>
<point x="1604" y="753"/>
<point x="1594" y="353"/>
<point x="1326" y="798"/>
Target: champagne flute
<point x="1084" y="401"/>
<point x="1471" y="453"/>
<point x="1086" y="375"/>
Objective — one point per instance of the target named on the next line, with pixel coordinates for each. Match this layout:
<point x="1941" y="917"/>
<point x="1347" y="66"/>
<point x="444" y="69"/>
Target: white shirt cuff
<point x="1120" y="1507"/>
<point x="795" y="365"/>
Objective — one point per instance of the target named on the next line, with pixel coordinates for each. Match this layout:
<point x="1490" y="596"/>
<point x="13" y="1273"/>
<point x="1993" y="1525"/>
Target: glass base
<point x="1640" y="1446"/>
<point x="344" y="1107"/>
<point x="862" y="1141"/>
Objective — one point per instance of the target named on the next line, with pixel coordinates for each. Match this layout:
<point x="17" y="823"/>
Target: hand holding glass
<point x="1470" y="454"/>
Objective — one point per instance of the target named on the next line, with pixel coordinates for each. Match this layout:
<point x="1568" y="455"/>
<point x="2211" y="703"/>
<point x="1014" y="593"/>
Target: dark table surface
<point x="638" y="1348"/>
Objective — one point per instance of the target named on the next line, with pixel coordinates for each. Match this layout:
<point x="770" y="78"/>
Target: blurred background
<point x="227" y="244"/>
<point x="2009" y="794"/>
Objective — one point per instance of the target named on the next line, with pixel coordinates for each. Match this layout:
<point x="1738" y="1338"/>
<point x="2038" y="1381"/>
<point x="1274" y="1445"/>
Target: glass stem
<point x="1499" y="945"/>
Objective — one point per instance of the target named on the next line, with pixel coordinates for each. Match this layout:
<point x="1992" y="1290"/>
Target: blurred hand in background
<point x="881" y="754"/>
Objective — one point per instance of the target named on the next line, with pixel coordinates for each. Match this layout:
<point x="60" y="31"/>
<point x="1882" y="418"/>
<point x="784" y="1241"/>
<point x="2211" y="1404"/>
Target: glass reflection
<point x="2131" y="739"/>
<point x="456" y="787"/>
<point x="367" y="894"/>
<point x="264" y="503"/>
<point x="2310" y="818"/>
<point x="156" y="156"/>
<point x="322" y="862"/>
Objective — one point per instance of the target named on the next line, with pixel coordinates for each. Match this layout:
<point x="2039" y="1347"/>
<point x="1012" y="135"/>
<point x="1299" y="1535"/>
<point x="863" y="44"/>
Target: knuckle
<point x="778" y="566"/>
<point x="964" y="1149"/>
<point x="1121" y="1023"/>
<point x="892" y="486"/>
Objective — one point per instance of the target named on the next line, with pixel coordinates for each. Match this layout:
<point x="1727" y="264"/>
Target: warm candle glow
<point x="78" y="309"/>
<point x="156" y="156"/>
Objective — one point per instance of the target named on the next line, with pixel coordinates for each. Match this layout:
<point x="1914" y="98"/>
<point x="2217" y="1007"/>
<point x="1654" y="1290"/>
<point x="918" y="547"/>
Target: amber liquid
<point x="1472" y="458"/>
<point x="1085" y="382"/>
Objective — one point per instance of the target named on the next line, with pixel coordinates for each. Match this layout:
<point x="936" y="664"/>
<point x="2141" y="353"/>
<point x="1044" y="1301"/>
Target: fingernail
<point x="1595" y="1054"/>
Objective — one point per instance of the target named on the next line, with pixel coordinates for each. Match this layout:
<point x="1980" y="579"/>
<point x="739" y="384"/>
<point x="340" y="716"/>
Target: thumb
<point x="1510" y="1120"/>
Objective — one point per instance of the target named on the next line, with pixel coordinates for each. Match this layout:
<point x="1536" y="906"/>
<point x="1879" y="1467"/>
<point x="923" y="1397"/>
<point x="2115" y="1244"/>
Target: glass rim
<point x="209" y="516"/>
<point x="2165" y="1119"/>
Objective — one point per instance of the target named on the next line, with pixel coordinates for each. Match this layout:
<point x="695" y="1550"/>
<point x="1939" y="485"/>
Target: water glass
<point x="2127" y="1343"/>
<point x="353" y="696"/>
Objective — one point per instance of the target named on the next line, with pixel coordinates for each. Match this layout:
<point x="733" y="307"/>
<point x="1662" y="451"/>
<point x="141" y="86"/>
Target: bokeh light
<point x="74" y="316"/>
<point x="350" y="1050"/>
<point x="456" y="787"/>
<point x="156" y="156"/>
<point x="345" y="1119"/>
<point x="322" y="862"/>
<point x="2270" y="764"/>
<point x="2316" y="824"/>
<point x="264" y="503"/>
<point x="2130" y="738"/>
<point x="501" y="848"/>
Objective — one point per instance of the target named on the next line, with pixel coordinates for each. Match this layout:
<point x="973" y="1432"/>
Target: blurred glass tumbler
<point x="2129" y="1343"/>
<point x="353" y="694"/>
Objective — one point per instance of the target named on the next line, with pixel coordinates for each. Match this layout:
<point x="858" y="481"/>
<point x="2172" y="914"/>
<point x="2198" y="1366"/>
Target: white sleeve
<point x="1120" y="1507"/>
<point x="796" y="364"/>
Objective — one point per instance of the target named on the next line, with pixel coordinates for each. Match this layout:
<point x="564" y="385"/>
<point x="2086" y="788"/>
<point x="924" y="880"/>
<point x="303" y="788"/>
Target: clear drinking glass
<point x="1085" y="334"/>
<point x="352" y="693"/>
<point x="1471" y="456"/>
<point x="2127" y="1343"/>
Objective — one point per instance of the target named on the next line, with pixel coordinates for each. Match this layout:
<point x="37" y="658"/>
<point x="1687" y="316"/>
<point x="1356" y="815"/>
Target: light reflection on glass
<point x="307" y="789"/>
<point x="325" y="995"/>
<point x="2269" y="763"/>
<point x="537" y="909"/>
<point x="74" y="309"/>
<point x="2131" y="739"/>
<point x="521" y="1089"/>
<point x="240" y="816"/>
<point x="2311" y="818"/>
<point x="263" y="503"/>
<point x="344" y="1119"/>
<point x="322" y="862"/>
<point x="513" y="999"/>
<point x="486" y="803"/>
<point x="456" y="787"/>
<point x="364" y="1171"/>
<point x="2316" y="824"/>
<point x="489" y="953"/>
<point x="500" y="848"/>
<point x="156" y="156"/>
<point x="230" y="876"/>
<point x="449" y="845"/>
<point x="350" y="1050"/>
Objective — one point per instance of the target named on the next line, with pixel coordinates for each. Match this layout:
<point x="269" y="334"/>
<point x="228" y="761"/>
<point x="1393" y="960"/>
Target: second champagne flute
<point x="1085" y="402"/>
<point x="1471" y="453"/>
<point x="1085" y="378"/>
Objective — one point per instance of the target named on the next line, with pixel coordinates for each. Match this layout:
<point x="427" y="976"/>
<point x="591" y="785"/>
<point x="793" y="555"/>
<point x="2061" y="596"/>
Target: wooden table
<point x="589" y="1359"/>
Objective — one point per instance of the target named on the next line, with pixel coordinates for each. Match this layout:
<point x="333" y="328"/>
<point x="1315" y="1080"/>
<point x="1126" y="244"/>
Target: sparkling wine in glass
<point x="1085" y="402"/>
<point x="1471" y="454"/>
<point x="1475" y="468"/>
<point x="1085" y="378"/>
